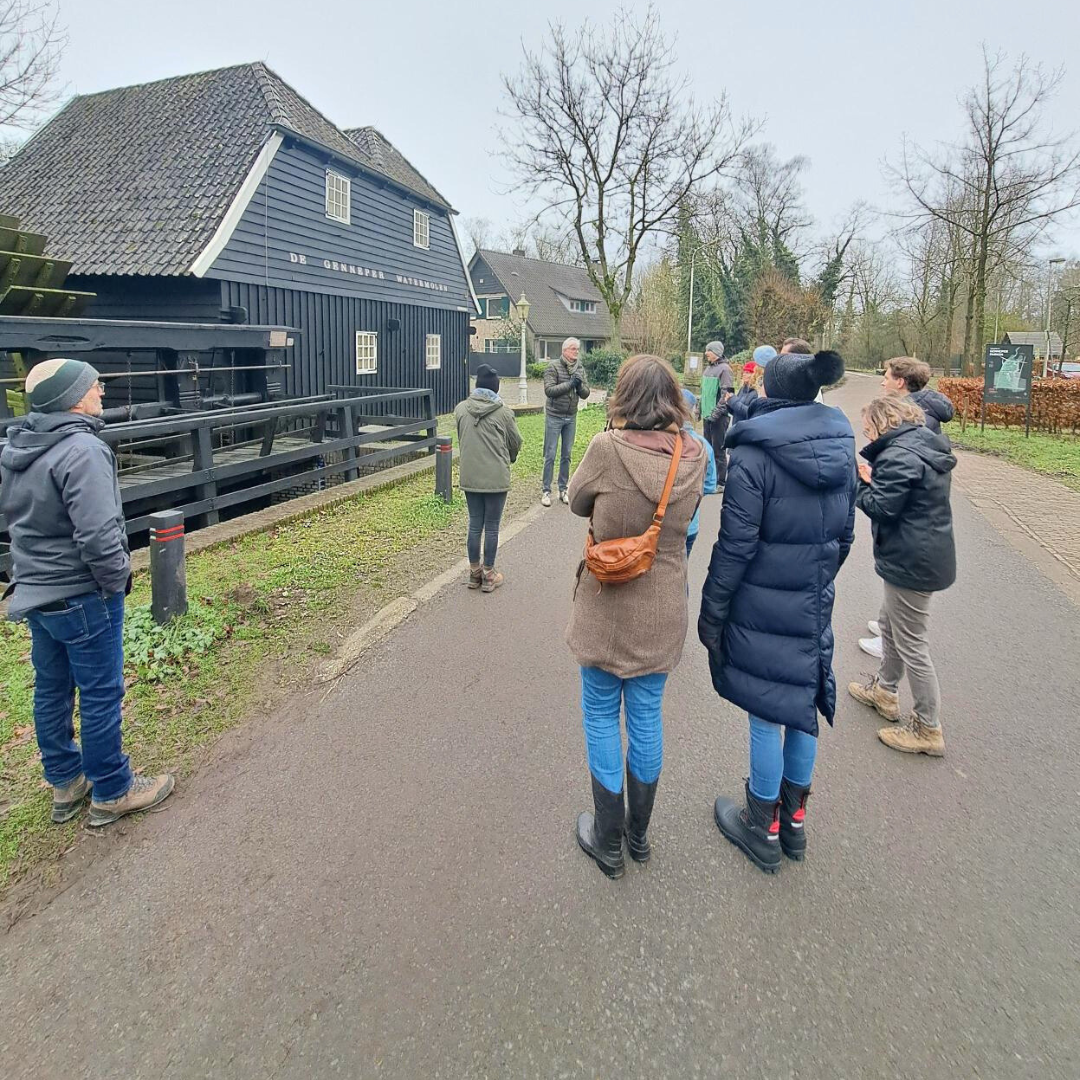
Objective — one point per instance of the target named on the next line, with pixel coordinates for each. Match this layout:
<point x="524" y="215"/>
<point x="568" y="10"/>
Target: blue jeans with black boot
<point x="604" y="696"/>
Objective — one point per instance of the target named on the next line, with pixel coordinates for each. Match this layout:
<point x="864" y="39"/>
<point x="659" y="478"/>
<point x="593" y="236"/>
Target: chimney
<point x="520" y="252"/>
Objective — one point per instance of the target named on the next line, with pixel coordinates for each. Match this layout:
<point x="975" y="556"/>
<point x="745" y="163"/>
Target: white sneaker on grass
<point x="545" y="499"/>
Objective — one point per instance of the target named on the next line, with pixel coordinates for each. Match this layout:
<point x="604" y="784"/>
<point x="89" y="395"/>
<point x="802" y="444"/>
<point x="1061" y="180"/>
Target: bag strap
<point x="673" y="468"/>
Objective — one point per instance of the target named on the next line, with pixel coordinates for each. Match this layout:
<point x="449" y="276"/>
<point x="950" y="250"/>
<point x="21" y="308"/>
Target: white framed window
<point x="367" y="352"/>
<point x="495" y="345"/>
<point x="433" y="352"/>
<point x="338" y="190"/>
<point x="586" y="307"/>
<point x="421" y="229"/>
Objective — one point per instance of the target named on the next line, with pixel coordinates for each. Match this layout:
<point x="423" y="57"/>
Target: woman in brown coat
<point x="628" y="637"/>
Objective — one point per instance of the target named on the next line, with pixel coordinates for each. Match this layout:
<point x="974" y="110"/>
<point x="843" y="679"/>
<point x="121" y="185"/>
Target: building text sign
<point x="343" y="266"/>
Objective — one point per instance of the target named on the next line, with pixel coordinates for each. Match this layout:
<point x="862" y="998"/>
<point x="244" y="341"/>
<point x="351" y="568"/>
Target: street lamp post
<point x="1049" y="307"/>
<point x="523" y="379"/>
<point x="690" y="306"/>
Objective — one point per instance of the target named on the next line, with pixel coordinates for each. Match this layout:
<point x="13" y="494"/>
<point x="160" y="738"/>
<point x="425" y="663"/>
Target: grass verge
<point x="1053" y="455"/>
<point x="270" y="602"/>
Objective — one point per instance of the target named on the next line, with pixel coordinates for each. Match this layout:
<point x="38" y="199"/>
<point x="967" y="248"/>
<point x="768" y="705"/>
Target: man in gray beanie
<point x="70" y="572"/>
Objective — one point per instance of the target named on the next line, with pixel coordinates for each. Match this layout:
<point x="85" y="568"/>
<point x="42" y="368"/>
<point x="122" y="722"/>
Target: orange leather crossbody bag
<point x="614" y="562"/>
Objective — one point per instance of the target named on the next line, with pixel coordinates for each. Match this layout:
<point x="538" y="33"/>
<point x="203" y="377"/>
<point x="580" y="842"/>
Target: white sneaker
<point x="874" y="627"/>
<point x="871" y="645"/>
<point x="545" y="499"/>
<point x="564" y="498"/>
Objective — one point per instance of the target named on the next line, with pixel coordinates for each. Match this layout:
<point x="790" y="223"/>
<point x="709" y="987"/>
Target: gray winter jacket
<point x="61" y="499"/>
<point x="559" y="388"/>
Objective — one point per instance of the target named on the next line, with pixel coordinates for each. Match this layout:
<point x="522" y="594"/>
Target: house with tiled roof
<point x="225" y="194"/>
<point x="563" y="303"/>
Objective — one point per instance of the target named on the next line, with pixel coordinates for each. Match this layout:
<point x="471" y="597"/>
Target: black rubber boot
<point x="792" y="819"/>
<point x="600" y="833"/>
<point x="639" y="804"/>
<point x="754" y="828"/>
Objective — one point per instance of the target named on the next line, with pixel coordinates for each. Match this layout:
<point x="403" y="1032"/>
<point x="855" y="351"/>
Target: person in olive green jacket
<point x="488" y="443"/>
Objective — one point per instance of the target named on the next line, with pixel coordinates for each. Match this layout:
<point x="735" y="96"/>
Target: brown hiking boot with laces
<point x="145" y="791"/>
<point x="67" y="800"/>
<point x="870" y="693"/>
<point x="914" y="737"/>
<point x="476" y="576"/>
<point x="492" y="579"/>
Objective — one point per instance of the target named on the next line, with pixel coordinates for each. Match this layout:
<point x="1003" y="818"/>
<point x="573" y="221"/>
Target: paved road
<point x="384" y="884"/>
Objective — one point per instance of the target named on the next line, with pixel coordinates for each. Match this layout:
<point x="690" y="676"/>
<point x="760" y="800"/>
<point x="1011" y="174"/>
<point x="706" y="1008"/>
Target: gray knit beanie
<point x="59" y="385"/>
<point x="716" y="348"/>
<point x="799" y="377"/>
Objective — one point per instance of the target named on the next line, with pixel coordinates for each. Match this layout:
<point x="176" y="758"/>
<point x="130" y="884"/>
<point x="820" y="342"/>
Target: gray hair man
<point x="565" y="383"/>
<point x="70" y="573"/>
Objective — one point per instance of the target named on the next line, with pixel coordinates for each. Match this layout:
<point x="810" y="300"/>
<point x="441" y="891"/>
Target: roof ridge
<point x="532" y="258"/>
<point x="407" y="160"/>
<point x="168" y="78"/>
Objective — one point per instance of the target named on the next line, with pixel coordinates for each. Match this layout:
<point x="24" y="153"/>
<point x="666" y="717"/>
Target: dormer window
<point x="337" y="197"/>
<point x="421" y="229"/>
<point x="585" y="307"/>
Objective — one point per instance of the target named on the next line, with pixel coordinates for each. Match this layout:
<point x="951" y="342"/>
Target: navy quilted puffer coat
<point x="787" y="526"/>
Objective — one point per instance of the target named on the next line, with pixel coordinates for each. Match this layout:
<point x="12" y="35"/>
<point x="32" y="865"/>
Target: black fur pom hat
<point x="799" y="377"/>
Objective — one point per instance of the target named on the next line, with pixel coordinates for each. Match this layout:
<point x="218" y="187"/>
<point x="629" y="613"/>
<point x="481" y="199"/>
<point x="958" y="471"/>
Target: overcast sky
<point x="835" y="80"/>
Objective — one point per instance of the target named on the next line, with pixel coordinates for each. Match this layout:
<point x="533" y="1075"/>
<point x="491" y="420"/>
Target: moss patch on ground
<point x="263" y="611"/>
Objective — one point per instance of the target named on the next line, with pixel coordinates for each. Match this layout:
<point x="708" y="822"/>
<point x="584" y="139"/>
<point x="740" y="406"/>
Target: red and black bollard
<point x="168" y="578"/>
<point x="444" y="468"/>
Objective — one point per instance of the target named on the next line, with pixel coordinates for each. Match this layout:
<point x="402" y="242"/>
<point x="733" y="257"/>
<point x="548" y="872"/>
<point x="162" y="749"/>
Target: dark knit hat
<point x="799" y="377"/>
<point x="59" y="385"/>
<point x="487" y="378"/>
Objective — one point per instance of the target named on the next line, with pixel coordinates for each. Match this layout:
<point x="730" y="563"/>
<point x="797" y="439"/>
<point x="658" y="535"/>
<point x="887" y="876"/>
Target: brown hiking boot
<point x="492" y="579"/>
<point x="870" y="693"/>
<point x="145" y="791"/>
<point x="914" y="737"/>
<point x="476" y="576"/>
<point x="67" y="800"/>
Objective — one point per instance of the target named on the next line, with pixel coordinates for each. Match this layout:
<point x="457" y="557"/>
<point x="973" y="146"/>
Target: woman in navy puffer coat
<point x="787" y="524"/>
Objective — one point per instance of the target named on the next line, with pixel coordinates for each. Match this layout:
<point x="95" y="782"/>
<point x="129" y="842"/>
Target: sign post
<point x="1007" y="377"/>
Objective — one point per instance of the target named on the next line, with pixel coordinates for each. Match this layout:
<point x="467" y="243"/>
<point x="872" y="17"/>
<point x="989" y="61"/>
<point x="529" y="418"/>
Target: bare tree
<point x="614" y="141"/>
<point x="1004" y="183"/>
<point x="31" y="41"/>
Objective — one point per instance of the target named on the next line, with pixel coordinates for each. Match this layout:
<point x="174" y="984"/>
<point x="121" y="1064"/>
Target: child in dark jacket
<point x="766" y="608"/>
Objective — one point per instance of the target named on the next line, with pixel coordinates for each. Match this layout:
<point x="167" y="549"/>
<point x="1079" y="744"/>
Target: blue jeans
<point x="485" y="513"/>
<point x="777" y="752"/>
<point x="603" y="696"/>
<point x="556" y="427"/>
<point x="81" y="646"/>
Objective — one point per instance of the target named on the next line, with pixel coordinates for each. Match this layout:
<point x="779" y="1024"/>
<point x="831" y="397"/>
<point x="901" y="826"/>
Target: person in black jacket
<point x="787" y="524"/>
<point x="906" y="375"/>
<point x="904" y="490"/>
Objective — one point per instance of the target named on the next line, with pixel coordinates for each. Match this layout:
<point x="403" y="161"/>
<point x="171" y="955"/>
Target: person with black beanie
<point x="787" y="525"/>
<point x="488" y="444"/>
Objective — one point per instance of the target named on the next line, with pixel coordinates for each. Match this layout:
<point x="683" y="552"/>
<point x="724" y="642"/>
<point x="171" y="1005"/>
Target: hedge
<point x="1055" y="404"/>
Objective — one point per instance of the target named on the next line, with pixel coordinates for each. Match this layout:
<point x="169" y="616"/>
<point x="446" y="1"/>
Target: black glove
<point x="576" y="380"/>
<point x="710" y="635"/>
<point x="127" y="585"/>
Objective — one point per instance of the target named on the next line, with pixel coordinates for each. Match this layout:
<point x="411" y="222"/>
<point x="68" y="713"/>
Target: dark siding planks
<point x="285" y="239"/>
<point x="325" y="352"/>
<point x="155" y="299"/>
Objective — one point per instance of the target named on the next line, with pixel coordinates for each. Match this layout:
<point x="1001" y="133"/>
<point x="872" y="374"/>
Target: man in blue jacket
<point x="787" y="524"/>
<point x="70" y="572"/>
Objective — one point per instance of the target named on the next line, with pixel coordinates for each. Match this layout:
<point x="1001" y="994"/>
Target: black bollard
<point x="168" y="579"/>
<point x="444" y="468"/>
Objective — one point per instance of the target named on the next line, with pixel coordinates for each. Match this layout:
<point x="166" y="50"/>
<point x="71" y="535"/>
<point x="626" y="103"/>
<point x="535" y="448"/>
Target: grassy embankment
<point x="264" y="610"/>
<point x="1053" y="455"/>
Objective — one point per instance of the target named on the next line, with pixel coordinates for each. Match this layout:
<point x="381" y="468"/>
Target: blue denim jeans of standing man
<point x="777" y="752"/>
<point x="81" y="646"/>
<point x="556" y="427"/>
<point x="603" y="697"/>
